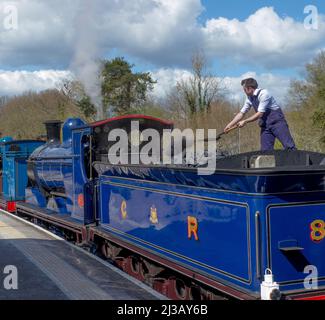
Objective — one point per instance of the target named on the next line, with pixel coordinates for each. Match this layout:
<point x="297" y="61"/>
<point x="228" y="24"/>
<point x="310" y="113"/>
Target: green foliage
<point x="74" y="92"/>
<point x="319" y="120"/>
<point x="122" y="89"/>
<point x="308" y="98"/>
<point x="86" y="107"/>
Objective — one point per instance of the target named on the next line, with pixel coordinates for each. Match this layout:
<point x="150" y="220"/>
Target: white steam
<point x="85" y="63"/>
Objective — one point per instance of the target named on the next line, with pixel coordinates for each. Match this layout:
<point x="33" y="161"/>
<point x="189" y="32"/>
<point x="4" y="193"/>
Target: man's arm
<point x="234" y="122"/>
<point x="253" y="118"/>
<point x="240" y="116"/>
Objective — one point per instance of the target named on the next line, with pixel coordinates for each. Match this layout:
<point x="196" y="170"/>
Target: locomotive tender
<point x="188" y="236"/>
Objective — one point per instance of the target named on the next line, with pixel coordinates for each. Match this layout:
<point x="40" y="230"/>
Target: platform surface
<point x="51" y="269"/>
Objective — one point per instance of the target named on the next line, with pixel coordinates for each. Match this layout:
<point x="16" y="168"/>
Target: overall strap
<point x="259" y="92"/>
<point x="253" y="99"/>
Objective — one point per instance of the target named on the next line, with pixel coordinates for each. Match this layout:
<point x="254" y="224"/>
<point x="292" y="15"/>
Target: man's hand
<point x="234" y="123"/>
<point x="227" y="129"/>
<point x="242" y="124"/>
<point x="230" y="128"/>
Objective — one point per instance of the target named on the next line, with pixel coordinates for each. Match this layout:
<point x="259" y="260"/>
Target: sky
<point x="44" y="42"/>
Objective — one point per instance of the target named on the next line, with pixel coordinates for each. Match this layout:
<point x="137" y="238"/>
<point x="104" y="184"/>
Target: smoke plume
<point x="85" y="63"/>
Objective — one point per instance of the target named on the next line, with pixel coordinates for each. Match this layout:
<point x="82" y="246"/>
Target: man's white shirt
<point x="261" y="101"/>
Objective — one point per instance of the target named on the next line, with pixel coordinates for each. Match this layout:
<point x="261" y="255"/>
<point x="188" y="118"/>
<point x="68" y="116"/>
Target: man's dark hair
<point x="250" y="82"/>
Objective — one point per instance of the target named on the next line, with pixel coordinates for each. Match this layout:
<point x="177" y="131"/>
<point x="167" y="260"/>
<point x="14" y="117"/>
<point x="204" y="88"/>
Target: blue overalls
<point x="273" y="125"/>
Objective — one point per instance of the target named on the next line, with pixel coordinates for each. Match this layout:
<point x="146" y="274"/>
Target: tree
<point x="316" y="72"/>
<point x="36" y="108"/>
<point x="4" y="100"/>
<point x="75" y="92"/>
<point x="122" y="89"/>
<point x="197" y="93"/>
<point x="308" y="95"/>
<point x="193" y="97"/>
<point x="87" y="108"/>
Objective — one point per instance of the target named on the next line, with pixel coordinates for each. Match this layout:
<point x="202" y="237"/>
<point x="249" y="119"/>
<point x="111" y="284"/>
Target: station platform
<point x="49" y="268"/>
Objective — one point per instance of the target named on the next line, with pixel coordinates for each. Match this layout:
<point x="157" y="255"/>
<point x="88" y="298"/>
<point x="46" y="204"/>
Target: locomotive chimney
<point x="53" y="130"/>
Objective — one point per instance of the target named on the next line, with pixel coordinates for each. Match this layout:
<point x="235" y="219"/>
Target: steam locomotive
<point x="188" y="236"/>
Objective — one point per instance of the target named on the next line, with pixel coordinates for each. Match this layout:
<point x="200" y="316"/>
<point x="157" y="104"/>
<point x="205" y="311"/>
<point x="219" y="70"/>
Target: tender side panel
<point x="208" y="235"/>
<point x="296" y="241"/>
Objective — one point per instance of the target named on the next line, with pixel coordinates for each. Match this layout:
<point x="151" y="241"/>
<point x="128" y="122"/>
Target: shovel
<point x="221" y="134"/>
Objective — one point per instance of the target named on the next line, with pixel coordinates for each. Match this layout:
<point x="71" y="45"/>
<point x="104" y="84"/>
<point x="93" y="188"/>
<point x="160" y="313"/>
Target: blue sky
<point x="236" y="9"/>
<point x="59" y="39"/>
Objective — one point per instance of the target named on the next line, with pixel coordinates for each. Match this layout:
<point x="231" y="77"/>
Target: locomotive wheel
<point x="195" y="293"/>
<point x="109" y="250"/>
<point x="181" y="289"/>
<point x="135" y="268"/>
<point x="104" y="250"/>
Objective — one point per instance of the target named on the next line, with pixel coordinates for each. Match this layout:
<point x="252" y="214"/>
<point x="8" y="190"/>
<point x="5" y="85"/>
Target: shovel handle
<point x="231" y="129"/>
<point x="223" y="133"/>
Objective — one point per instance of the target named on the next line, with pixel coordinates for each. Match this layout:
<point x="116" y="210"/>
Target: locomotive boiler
<point x="50" y="170"/>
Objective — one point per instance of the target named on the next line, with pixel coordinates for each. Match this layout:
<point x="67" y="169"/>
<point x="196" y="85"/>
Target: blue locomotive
<point x="188" y="236"/>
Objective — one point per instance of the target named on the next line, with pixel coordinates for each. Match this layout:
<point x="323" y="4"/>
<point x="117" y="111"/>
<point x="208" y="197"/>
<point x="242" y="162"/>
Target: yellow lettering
<point x="123" y="210"/>
<point x="193" y="228"/>
<point x="317" y="230"/>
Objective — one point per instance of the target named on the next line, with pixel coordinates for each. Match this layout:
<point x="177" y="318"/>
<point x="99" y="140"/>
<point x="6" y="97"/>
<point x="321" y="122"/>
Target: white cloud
<point x="161" y="32"/>
<point x="17" y="82"/>
<point x="264" y="39"/>
<point x="43" y="34"/>
<point x="167" y="79"/>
